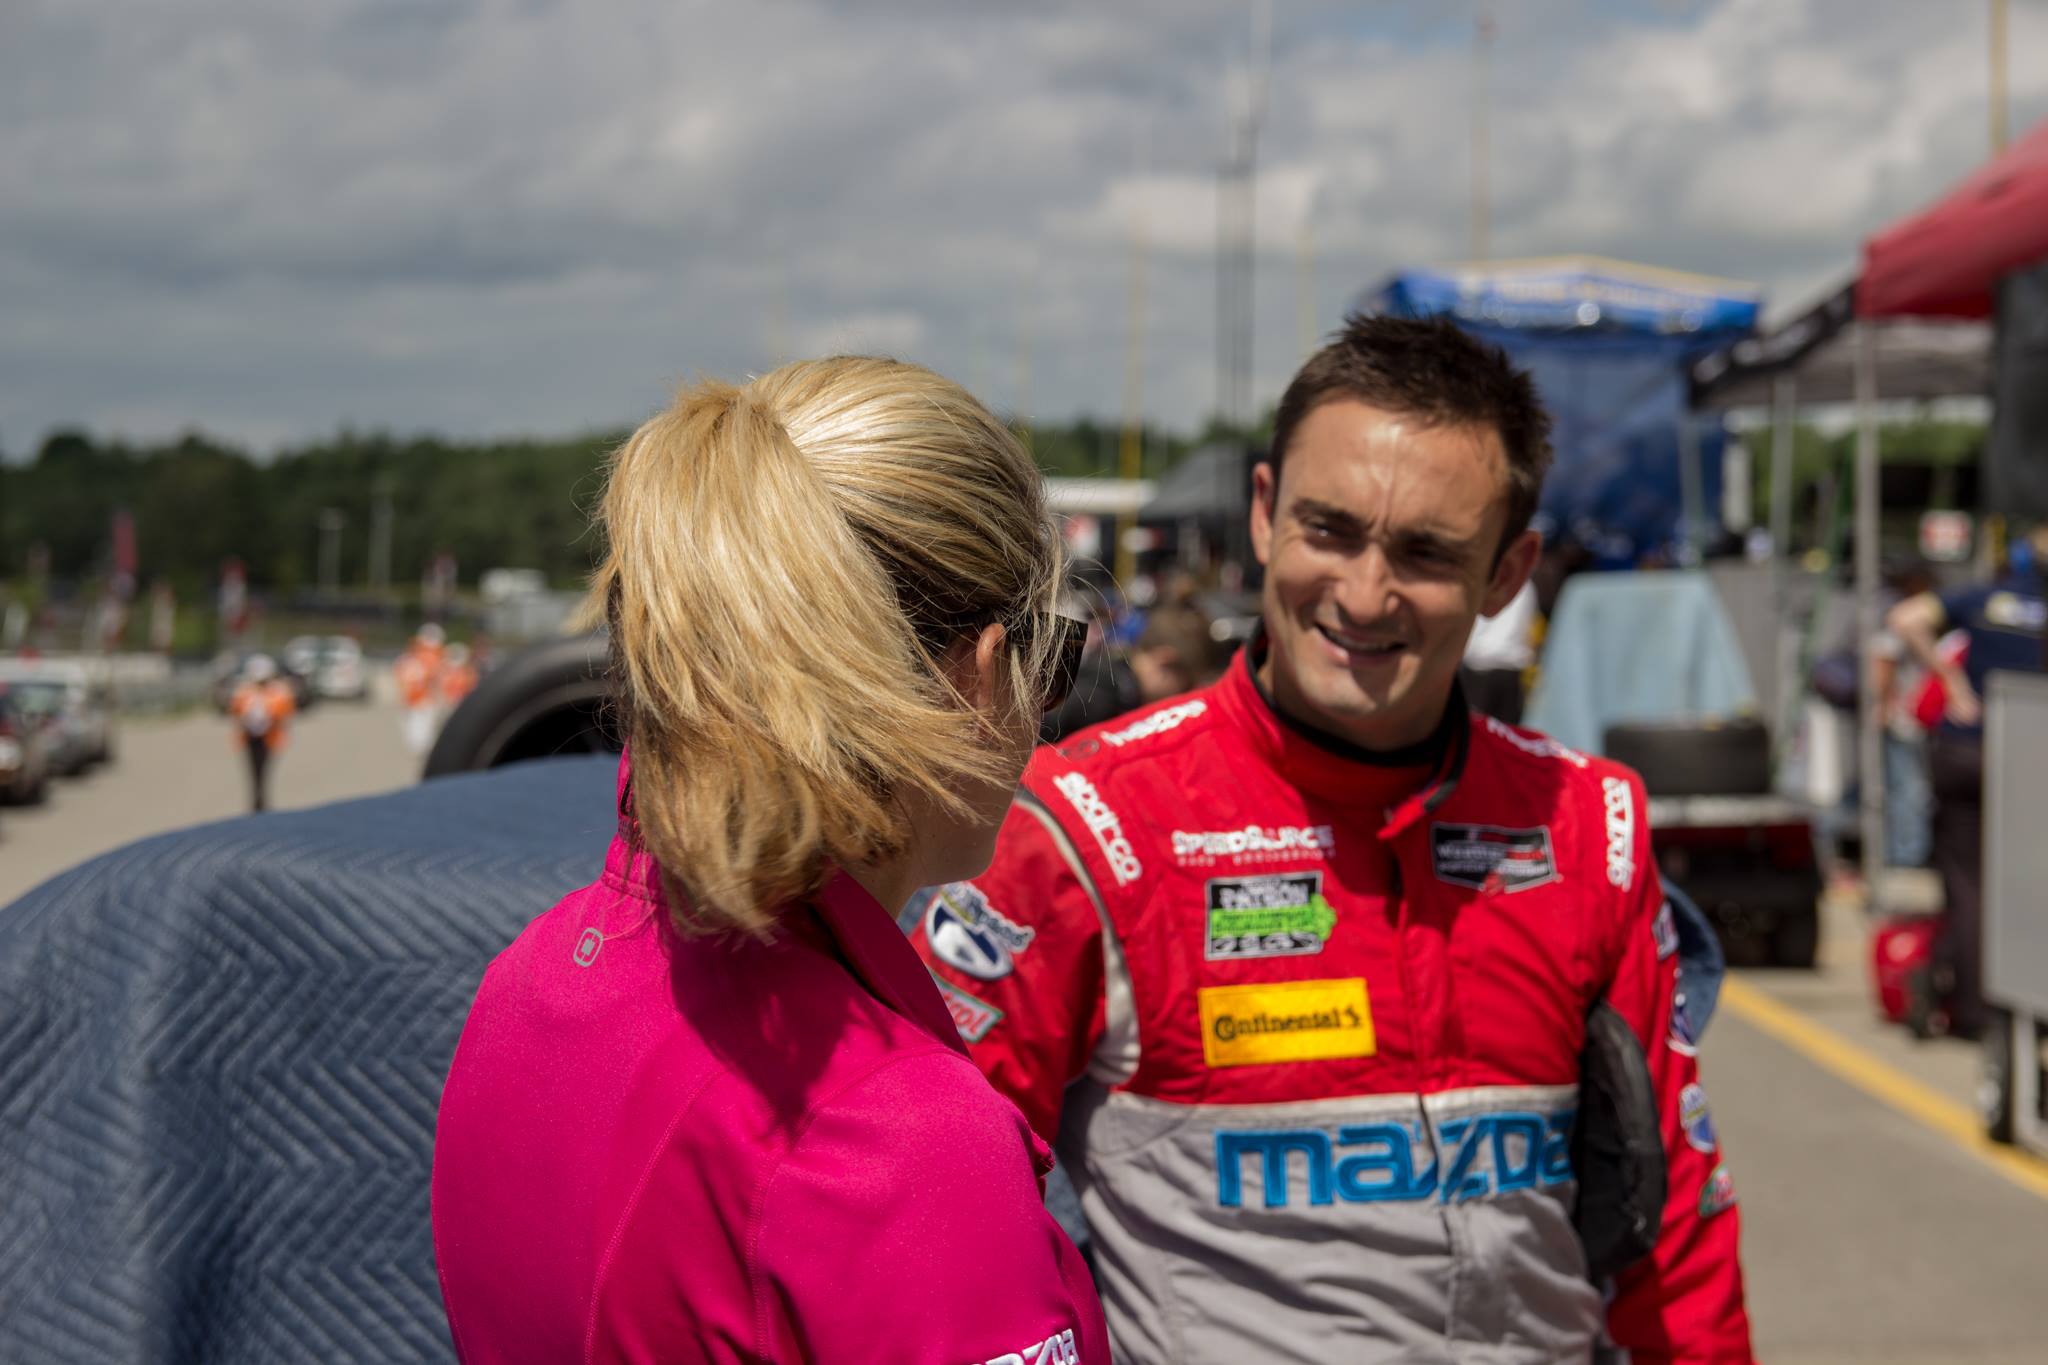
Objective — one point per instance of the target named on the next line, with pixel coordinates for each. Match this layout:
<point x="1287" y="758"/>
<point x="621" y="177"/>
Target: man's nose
<point x="1366" y="590"/>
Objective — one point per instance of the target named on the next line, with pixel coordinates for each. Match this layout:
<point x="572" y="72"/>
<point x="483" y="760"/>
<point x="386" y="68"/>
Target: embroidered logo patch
<point x="1695" y="1119"/>
<point x="1717" y="1195"/>
<point x="1158" y="723"/>
<point x="1103" y="823"/>
<point x="1254" y="843"/>
<point x="1664" y="929"/>
<point x="1285" y="1021"/>
<point x="1492" y="859"/>
<point x="972" y="1015"/>
<point x="1054" y="1350"/>
<point x="1276" y="915"/>
<point x="1681" y="1039"/>
<point x="1621" y="831"/>
<point x="966" y="932"/>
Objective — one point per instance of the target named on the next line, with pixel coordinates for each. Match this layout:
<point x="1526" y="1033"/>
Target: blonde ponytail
<point x="784" y="563"/>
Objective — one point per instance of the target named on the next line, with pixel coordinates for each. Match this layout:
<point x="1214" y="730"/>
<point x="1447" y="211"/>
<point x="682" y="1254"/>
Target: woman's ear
<point x="975" y="666"/>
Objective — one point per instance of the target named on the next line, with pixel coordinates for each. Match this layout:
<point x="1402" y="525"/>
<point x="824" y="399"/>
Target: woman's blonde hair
<point x="786" y="564"/>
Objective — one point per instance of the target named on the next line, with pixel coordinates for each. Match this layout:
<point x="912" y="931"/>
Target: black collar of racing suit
<point x="1444" y="751"/>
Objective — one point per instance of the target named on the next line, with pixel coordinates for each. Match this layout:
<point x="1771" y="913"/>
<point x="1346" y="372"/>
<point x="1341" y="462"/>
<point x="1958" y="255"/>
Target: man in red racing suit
<point x="1306" y="1015"/>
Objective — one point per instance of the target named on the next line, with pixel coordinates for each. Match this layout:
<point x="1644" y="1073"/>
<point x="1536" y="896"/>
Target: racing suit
<point x="1322" y="1012"/>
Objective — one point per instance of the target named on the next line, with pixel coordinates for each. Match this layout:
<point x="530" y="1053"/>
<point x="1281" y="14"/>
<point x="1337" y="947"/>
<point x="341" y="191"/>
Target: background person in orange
<point x="458" y="676"/>
<point x="419" y="686"/>
<point x="261" y="708"/>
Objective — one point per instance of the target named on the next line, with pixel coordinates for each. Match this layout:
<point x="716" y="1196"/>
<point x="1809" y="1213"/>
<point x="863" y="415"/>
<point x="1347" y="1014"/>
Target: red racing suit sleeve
<point x="1018" y="953"/>
<point x="1683" y="1303"/>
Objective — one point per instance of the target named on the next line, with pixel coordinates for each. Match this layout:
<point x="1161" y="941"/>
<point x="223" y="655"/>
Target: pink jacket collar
<point x="856" y="928"/>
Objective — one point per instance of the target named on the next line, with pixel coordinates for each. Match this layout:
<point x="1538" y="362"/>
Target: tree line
<point x="197" y="501"/>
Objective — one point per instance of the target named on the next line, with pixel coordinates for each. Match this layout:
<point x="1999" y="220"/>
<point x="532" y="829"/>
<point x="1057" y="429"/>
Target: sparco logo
<point x="1621" y="832"/>
<point x="1238" y="843"/>
<point x="1103" y="824"/>
<point x="1059" y="1350"/>
<point x="1158" y="723"/>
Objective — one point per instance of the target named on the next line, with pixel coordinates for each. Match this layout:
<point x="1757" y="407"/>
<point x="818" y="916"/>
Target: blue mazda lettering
<point x="1376" y="1162"/>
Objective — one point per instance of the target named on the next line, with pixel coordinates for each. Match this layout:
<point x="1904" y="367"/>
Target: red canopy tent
<point x="1946" y="261"/>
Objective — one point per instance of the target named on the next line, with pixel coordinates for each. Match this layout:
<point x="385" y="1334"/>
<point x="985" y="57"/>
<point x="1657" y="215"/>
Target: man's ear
<point x="1517" y="562"/>
<point x="1265" y="488"/>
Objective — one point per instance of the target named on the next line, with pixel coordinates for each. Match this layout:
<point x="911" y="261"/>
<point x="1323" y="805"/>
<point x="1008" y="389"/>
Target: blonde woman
<point x="712" y="1108"/>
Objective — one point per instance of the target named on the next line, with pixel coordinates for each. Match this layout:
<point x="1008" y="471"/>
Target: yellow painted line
<point x="1883" y="1082"/>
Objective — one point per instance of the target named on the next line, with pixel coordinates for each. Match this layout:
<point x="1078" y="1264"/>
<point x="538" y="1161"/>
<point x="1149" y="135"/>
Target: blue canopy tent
<point x="1610" y="345"/>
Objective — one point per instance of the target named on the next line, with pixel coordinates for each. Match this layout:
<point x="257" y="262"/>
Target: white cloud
<point x="503" y="215"/>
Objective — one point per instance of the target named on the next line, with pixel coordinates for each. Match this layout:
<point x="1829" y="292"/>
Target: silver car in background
<point x="331" y="664"/>
<point x="70" y="704"/>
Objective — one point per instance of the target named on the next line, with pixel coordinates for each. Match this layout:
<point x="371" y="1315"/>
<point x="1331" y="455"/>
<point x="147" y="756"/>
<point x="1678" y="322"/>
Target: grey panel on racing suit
<point x="1374" y="1228"/>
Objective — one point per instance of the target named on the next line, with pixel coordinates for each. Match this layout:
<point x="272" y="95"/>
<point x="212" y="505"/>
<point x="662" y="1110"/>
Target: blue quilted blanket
<point x="220" y="1056"/>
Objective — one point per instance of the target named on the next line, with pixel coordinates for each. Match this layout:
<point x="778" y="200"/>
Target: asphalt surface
<point x="1869" y="1235"/>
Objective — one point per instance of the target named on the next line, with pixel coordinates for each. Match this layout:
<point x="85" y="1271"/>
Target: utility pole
<point x="1131" y="453"/>
<point x="1237" y="226"/>
<point x="1022" y="416"/>
<point x="1305" y="289"/>
<point x="1482" y="71"/>
<point x="331" y="523"/>
<point x="380" y="537"/>
<point x="1998" y="75"/>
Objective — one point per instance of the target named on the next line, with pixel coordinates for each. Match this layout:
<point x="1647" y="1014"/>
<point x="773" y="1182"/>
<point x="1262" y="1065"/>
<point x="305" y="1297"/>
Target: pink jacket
<point x="653" y="1148"/>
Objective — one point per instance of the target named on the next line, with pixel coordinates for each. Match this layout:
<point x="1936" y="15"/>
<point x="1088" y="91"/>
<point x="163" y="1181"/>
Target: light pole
<point x="1998" y="74"/>
<point x="331" y="522"/>
<point x="1237" y="227"/>
<point x="1482" y="152"/>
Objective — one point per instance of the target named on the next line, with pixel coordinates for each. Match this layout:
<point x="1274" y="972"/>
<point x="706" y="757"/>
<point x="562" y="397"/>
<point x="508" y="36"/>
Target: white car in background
<point x="331" y="664"/>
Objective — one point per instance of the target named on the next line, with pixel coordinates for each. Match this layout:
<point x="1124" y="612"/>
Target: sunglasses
<point x="1066" y="653"/>
<point x="1066" y="661"/>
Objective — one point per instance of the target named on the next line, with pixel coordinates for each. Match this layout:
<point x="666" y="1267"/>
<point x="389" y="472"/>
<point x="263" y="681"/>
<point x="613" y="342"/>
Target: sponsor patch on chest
<point x="969" y="934"/>
<point x="1286" y="1021"/>
<point x="972" y="1015"/>
<point x="1276" y="915"/>
<point x="1492" y="859"/>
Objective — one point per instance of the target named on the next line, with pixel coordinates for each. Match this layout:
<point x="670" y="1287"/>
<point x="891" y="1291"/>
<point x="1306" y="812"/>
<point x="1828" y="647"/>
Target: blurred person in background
<point x="418" y="671"/>
<point x="712" y="1107"/>
<point x="261" y="708"/>
<point x="1176" y="652"/>
<point x="1317" y="971"/>
<point x="1896" y="681"/>
<point x="2004" y="625"/>
<point x="1499" y="655"/>
<point x="458" y="676"/>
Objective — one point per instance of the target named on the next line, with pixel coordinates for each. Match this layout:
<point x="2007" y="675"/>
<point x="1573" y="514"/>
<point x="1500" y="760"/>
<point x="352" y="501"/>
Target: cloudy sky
<point x="487" y="216"/>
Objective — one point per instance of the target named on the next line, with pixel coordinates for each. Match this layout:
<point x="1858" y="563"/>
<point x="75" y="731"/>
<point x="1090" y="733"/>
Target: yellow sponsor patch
<point x="1286" y="1021"/>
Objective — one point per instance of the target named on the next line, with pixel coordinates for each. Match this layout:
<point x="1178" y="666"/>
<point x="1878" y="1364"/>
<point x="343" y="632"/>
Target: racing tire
<point x="548" y="699"/>
<point x="1995" y="1085"/>
<point x="1795" y="940"/>
<point x="1695" y="758"/>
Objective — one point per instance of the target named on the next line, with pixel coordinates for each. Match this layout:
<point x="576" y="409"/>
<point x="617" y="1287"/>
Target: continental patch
<point x="1286" y="1021"/>
<point x="968" y="933"/>
<point x="1717" y="1195"/>
<point x="1276" y="915"/>
<point x="972" y="1015"/>
<point x="1492" y="859"/>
